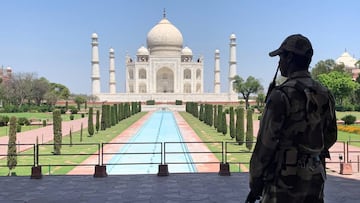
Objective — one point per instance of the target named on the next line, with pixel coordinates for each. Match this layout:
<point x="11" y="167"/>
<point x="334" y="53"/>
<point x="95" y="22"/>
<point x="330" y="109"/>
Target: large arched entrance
<point x="164" y="80"/>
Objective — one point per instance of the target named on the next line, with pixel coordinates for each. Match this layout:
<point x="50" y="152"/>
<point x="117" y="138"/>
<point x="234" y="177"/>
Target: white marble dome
<point x="186" y="51"/>
<point x="347" y="60"/>
<point x="94" y="35"/>
<point x="142" y="51"/>
<point x="164" y="36"/>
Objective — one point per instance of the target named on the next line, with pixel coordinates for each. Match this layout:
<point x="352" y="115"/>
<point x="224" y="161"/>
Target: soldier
<point x="296" y="131"/>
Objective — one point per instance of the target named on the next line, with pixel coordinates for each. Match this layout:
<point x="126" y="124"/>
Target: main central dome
<point x="164" y="37"/>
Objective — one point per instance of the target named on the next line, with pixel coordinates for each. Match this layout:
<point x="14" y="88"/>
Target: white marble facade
<point x="163" y="71"/>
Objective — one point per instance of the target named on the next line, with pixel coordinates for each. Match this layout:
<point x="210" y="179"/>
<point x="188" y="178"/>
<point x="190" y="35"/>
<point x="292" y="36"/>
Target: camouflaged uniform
<point x="297" y="129"/>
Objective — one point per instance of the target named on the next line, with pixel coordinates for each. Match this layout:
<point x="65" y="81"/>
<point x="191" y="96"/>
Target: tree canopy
<point x="339" y="83"/>
<point x="246" y="88"/>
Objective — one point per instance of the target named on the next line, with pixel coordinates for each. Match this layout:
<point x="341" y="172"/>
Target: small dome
<point x="8" y="69"/>
<point x="232" y="36"/>
<point x="164" y="36"/>
<point x="142" y="51"/>
<point x="94" y="35"/>
<point x="217" y="51"/>
<point x="186" y="51"/>
<point x="111" y="50"/>
<point x="347" y="60"/>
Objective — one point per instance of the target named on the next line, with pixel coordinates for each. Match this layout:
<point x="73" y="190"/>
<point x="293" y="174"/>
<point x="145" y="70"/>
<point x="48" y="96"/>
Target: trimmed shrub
<point x="23" y="121"/>
<point x="150" y="102"/>
<point x="4" y="120"/>
<point x="90" y="122"/>
<point x="57" y="131"/>
<point x="11" y="153"/>
<point x="240" y="127"/>
<point x="71" y="117"/>
<point x="178" y="102"/>
<point x="349" y="119"/>
<point x="249" y="130"/>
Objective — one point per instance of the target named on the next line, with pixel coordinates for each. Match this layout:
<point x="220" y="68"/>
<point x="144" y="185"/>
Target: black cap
<point x="297" y="44"/>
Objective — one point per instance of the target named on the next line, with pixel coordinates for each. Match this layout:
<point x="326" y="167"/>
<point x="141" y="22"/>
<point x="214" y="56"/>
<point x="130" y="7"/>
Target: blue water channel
<point x="145" y="147"/>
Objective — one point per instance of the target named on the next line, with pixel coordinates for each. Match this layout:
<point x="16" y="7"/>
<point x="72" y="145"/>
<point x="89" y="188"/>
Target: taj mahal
<point x="163" y="71"/>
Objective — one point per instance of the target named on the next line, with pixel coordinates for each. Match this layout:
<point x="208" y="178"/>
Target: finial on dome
<point x="164" y="13"/>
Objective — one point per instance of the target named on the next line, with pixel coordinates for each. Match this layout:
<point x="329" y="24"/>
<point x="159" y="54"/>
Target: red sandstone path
<point x="44" y="134"/>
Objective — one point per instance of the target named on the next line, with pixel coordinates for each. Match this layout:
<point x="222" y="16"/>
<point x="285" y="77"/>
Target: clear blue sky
<point x="52" y="38"/>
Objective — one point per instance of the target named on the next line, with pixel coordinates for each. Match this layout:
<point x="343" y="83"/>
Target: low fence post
<point x="224" y="166"/>
<point x="163" y="169"/>
<point x="36" y="169"/>
<point x="100" y="169"/>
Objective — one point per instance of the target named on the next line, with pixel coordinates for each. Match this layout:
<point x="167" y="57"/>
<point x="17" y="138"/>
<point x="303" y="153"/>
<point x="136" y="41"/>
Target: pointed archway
<point x="165" y="80"/>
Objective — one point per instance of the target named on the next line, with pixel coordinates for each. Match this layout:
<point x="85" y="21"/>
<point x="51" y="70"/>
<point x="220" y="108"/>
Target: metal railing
<point x="163" y="151"/>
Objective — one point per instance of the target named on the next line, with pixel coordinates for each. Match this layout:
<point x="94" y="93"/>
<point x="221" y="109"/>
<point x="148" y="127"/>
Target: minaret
<point x="112" y="83"/>
<point x="95" y="77"/>
<point x="217" y="72"/>
<point x="232" y="62"/>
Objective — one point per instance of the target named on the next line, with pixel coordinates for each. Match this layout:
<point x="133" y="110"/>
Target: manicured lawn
<point x="85" y="150"/>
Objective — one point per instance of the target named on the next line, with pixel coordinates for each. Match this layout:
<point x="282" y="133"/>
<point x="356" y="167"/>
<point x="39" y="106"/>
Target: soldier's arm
<point x="330" y="134"/>
<point x="267" y="140"/>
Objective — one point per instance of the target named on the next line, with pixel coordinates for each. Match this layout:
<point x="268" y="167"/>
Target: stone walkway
<point x="175" y="188"/>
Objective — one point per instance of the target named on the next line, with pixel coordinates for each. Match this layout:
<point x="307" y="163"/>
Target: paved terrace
<point x="175" y="188"/>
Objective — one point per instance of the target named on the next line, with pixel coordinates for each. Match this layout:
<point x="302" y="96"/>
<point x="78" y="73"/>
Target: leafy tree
<point x="80" y="99"/>
<point x="240" y="129"/>
<point x="91" y="122"/>
<point x="249" y="129"/>
<point x="18" y="88"/>
<point x="232" y="126"/>
<point x="57" y="131"/>
<point x="40" y="88"/>
<point x="339" y="83"/>
<point x="60" y="91"/>
<point x="251" y="85"/>
<point x="324" y="67"/>
<point x="11" y="153"/>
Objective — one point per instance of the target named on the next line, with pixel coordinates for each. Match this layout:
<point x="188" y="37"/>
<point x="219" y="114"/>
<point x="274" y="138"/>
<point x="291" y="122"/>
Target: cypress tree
<point x="112" y="113"/>
<point x="249" y="129"/>
<point x="116" y="114"/>
<point x="210" y="114"/>
<point x="57" y="131"/>
<point x="70" y="136"/>
<point x="97" y="124"/>
<point x="215" y="116"/>
<point x="11" y="153"/>
<point x="81" y="133"/>
<point x="240" y="129"/>
<point x="91" y="122"/>
<point x="220" y="120"/>
<point x="232" y="125"/>
<point x="103" y="116"/>
<point x="139" y="107"/>
<point x="201" y="113"/>
<point x="224" y="124"/>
